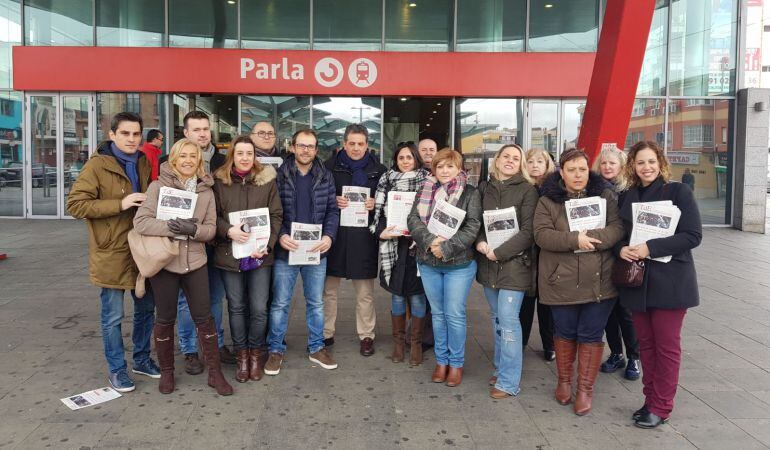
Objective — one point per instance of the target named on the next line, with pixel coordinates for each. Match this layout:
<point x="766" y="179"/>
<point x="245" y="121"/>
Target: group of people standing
<point x="564" y="275"/>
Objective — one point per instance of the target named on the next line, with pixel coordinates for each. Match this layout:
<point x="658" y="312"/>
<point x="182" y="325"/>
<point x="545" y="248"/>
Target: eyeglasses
<point x="305" y="146"/>
<point x="265" y="134"/>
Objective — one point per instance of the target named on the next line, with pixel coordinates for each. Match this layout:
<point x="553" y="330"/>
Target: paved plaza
<point x="50" y="347"/>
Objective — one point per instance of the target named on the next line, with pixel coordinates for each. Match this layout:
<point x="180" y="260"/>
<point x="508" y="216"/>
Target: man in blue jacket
<point x="308" y="196"/>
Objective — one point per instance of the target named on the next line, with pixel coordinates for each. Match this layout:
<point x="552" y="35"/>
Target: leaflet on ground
<point x="307" y="236"/>
<point x="90" y="398"/>
<point x="653" y="220"/>
<point x="355" y="214"/>
<point x="399" y="204"/>
<point x="584" y="214"/>
<point x="175" y="204"/>
<point x="445" y="219"/>
<point x="500" y="225"/>
<point x="258" y="223"/>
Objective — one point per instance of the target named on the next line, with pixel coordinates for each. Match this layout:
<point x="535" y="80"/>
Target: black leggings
<point x="165" y="286"/>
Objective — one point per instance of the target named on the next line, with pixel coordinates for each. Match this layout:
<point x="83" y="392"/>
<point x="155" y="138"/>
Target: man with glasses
<point x="263" y="136"/>
<point x="354" y="254"/>
<point x="308" y="196"/>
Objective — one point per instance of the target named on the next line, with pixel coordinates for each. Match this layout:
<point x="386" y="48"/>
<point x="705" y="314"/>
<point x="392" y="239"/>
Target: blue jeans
<point x="284" y="279"/>
<point x="447" y="289"/>
<point x="247" y="297"/>
<point x="417" y="304"/>
<point x="112" y="316"/>
<point x="188" y="338"/>
<point x="504" y="307"/>
<point x="583" y="323"/>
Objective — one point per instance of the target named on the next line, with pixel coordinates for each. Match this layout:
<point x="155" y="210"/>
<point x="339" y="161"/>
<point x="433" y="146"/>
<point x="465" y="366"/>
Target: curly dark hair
<point x="630" y="169"/>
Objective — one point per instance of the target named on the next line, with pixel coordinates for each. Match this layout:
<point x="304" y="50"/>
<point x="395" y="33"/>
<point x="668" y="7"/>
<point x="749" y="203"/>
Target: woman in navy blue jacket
<point x="669" y="289"/>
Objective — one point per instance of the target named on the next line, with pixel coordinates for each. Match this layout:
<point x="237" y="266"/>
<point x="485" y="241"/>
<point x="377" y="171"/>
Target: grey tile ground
<point x="50" y="346"/>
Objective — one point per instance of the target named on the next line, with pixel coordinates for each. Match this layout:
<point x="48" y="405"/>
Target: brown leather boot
<point x="399" y="324"/>
<point x="242" y="365"/>
<point x="415" y="347"/>
<point x="256" y="364"/>
<point x="439" y="373"/>
<point x="565" y="357"/>
<point x="207" y="339"/>
<point x="164" y="348"/>
<point x="454" y="377"/>
<point x="589" y="360"/>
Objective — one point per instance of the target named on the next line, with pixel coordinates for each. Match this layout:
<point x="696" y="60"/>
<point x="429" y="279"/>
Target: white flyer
<point x="654" y="220"/>
<point x="258" y="221"/>
<point x="274" y="161"/>
<point x="399" y="204"/>
<point x="588" y="213"/>
<point x="90" y="398"/>
<point x="175" y="204"/>
<point x="500" y="225"/>
<point x="307" y="235"/>
<point x="355" y="214"/>
<point x="445" y="219"/>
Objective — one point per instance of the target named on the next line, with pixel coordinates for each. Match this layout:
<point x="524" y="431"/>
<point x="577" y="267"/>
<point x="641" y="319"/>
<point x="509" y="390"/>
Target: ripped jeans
<point x="504" y="306"/>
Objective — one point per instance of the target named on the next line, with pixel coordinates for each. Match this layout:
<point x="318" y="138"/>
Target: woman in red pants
<point x="660" y="304"/>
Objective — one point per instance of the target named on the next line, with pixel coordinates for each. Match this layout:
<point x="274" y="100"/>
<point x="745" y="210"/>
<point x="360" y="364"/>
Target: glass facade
<point x="340" y="25"/>
<point x="11" y="155"/>
<point x="563" y="25"/>
<point x="332" y="114"/>
<point x="203" y="23"/>
<point x="130" y="23"/>
<point x="286" y="114"/>
<point x="278" y="24"/>
<point x="151" y="107"/>
<point x="58" y="23"/>
<point x="491" y="26"/>
<point x="424" y="26"/>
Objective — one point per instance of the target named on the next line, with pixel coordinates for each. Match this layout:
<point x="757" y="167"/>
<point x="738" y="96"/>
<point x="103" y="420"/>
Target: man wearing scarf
<point x="107" y="193"/>
<point x="354" y="253"/>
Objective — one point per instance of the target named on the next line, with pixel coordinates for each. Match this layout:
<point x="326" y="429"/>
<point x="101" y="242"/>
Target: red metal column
<point x="615" y="76"/>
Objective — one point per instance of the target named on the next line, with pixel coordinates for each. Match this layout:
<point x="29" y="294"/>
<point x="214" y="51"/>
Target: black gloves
<point x="185" y="227"/>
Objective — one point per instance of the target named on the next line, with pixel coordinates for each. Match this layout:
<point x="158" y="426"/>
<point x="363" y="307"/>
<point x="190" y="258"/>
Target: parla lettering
<point x="272" y="71"/>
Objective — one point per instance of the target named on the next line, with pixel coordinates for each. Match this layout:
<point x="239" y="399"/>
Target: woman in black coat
<point x="660" y="303"/>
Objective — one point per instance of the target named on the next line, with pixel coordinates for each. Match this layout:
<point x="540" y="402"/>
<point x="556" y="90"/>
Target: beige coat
<point x="192" y="252"/>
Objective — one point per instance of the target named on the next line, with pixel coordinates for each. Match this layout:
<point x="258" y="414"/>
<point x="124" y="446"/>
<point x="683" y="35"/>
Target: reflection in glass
<point x="276" y="24"/>
<point x="652" y="79"/>
<point x="702" y="47"/>
<point x="129" y="23"/>
<point x="572" y="117"/>
<point x="286" y="114"/>
<point x="418" y="26"/>
<point x="11" y="155"/>
<point x="332" y="114"/>
<point x="202" y="23"/>
<point x="563" y="25"/>
<point x="483" y="125"/>
<point x="75" y="138"/>
<point x="223" y="116"/>
<point x="543" y="127"/>
<point x="340" y="25"/>
<point x="700" y="146"/>
<point x="491" y="25"/>
<point x="150" y="106"/>
<point x="412" y="119"/>
<point x="648" y="122"/>
<point x="58" y="23"/>
<point x="10" y="34"/>
<point x="42" y="111"/>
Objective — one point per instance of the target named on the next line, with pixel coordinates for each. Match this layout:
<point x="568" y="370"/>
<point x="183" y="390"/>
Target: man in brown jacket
<point x="106" y="194"/>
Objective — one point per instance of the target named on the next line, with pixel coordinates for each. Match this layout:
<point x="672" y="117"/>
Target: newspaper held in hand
<point x="445" y="219"/>
<point x="274" y="161"/>
<point x="500" y="225"/>
<point x="258" y="222"/>
<point x="90" y="398"/>
<point x="653" y="220"/>
<point x="307" y="236"/>
<point x="585" y="214"/>
<point x="355" y="214"/>
<point x="175" y="204"/>
<point x="398" y="207"/>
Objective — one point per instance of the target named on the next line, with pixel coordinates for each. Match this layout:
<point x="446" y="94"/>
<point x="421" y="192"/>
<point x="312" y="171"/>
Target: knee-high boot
<point x="589" y="360"/>
<point x="399" y="324"/>
<point x="565" y="358"/>
<point x="415" y="347"/>
<point x="207" y="338"/>
<point x="164" y="348"/>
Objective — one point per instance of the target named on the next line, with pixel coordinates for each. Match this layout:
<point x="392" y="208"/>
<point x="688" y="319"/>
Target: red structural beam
<point x="618" y="64"/>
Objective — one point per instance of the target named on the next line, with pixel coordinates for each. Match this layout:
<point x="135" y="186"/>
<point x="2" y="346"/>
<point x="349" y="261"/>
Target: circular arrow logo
<point x="328" y="72"/>
<point x="362" y="72"/>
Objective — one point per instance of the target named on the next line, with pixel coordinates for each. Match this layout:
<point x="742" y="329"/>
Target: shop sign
<point x="684" y="158"/>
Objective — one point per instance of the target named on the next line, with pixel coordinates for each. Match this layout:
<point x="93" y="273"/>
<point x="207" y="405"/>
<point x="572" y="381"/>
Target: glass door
<point x="58" y="145"/>
<point x="544" y="126"/>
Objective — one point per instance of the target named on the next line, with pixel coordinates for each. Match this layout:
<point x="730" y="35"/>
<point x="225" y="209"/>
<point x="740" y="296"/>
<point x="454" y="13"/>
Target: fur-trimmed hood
<point x="553" y="187"/>
<point x="266" y="175"/>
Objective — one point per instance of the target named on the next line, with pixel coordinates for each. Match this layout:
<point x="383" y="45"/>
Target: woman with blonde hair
<point x="611" y="165"/>
<point x="538" y="166"/>
<point x="506" y="270"/>
<point x="241" y="184"/>
<point x="183" y="171"/>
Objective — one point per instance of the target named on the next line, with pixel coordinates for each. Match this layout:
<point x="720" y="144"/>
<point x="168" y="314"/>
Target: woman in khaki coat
<point x="577" y="285"/>
<point x="183" y="171"/>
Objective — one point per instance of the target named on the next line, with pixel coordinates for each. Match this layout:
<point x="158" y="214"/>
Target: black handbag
<point x="628" y="274"/>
